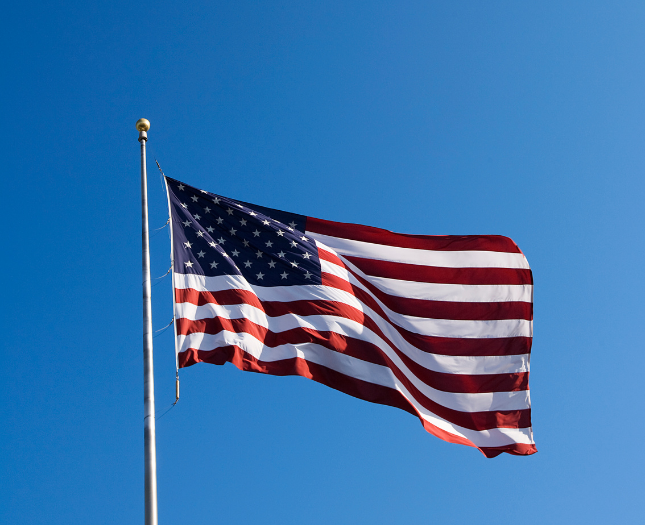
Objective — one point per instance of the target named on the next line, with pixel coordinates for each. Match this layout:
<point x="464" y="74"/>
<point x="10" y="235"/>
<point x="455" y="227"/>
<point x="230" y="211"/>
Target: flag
<point x="437" y="325"/>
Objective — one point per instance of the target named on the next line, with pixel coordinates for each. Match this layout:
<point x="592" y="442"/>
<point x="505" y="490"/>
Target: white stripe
<point x="420" y="325"/>
<point x="375" y="374"/>
<point x="473" y="365"/>
<point x="203" y="283"/>
<point x="446" y="259"/>
<point x="506" y="364"/>
<point x="462" y="293"/>
<point x="496" y="437"/>
<point x="358" y="369"/>
<point x="440" y="327"/>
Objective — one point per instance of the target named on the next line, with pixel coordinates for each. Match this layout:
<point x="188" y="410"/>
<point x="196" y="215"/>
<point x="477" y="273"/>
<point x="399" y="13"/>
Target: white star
<point x="224" y="254"/>
<point x="201" y="254"/>
<point x="229" y="211"/>
<point x="259" y="253"/>
<point x="289" y="228"/>
<point x="292" y="224"/>
<point x="294" y="264"/>
<point x="233" y="230"/>
<point x="186" y="223"/>
<point x="247" y="263"/>
<point x="308" y="275"/>
<point x="245" y="243"/>
<point x="304" y="238"/>
<point x="200" y="233"/>
<point x="197" y="217"/>
<point x="271" y="264"/>
<point x="216" y="200"/>
<point x="256" y="233"/>
<point x="219" y="220"/>
<point x="306" y="255"/>
<point x="210" y="229"/>
<point x="281" y="254"/>
<point x="188" y="264"/>
<point x="280" y="233"/>
<point x="194" y="197"/>
<point x="213" y="244"/>
<point x="260" y="276"/>
<point x="188" y="245"/>
<point x="265" y="222"/>
<point x="235" y="253"/>
<point x="207" y="209"/>
<point x="213" y="264"/>
<point x="283" y="275"/>
<point x="184" y="205"/>
<point x="294" y="243"/>
<point x="243" y="222"/>
<point x="269" y="244"/>
<point x="181" y="187"/>
<point x="221" y="240"/>
<point x="253" y="214"/>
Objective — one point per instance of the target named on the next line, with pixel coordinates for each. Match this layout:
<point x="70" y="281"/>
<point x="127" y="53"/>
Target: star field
<point x="215" y="235"/>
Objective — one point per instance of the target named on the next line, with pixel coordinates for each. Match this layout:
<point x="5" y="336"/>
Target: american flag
<point x="437" y="325"/>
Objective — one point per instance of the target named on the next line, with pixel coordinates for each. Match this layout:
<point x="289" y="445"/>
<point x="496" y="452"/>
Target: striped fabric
<point x="439" y="326"/>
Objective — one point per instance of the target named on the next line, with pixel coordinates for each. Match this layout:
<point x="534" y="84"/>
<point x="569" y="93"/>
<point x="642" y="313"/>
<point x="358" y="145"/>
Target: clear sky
<point x="513" y="118"/>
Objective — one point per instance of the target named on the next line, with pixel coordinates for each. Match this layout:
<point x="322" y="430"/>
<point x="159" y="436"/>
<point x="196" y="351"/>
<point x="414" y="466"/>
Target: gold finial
<point x="143" y="124"/>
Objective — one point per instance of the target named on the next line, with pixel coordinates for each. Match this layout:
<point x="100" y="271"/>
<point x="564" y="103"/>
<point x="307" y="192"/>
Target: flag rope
<point x="166" y="327"/>
<point x="172" y="265"/>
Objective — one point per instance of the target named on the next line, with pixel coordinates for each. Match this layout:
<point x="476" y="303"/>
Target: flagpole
<point x="149" y="440"/>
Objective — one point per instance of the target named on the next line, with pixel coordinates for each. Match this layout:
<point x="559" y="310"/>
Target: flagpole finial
<point x="143" y="125"/>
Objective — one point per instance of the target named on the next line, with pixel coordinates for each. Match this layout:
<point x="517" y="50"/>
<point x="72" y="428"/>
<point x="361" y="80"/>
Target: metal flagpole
<point x="149" y="445"/>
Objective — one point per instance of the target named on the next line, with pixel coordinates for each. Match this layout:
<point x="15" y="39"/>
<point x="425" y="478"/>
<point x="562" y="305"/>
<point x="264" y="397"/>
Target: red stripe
<point x="333" y="341"/>
<point x="517" y="449"/>
<point x="462" y="311"/>
<point x="459" y="311"/>
<point x="457" y="346"/>
<point x="296" y="366"/>
<point x="358" y="232"/>
<point x="359" y="349"/>
<point x="339" y="381"/>
<point x="442" y="275"/>
<point x="460" y="382"/>
<point x="437" y="345"/>
<point x="354" y="387"/>
<point x="425" y="343"/>
<point x="473" y="420"/>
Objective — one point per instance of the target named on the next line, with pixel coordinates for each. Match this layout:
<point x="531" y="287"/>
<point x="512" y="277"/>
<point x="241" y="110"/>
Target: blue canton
<point x="215" y="235"/>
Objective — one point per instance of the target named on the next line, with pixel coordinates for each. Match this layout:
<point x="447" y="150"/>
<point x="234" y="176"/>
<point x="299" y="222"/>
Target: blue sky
<point x="525" y="120"/>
